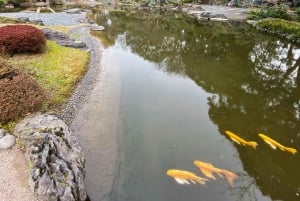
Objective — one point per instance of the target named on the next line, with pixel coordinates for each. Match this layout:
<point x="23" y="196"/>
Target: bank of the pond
<point x="283" y="28"/>
<point x="15" y="169"/>
<point x="92" y="87"/>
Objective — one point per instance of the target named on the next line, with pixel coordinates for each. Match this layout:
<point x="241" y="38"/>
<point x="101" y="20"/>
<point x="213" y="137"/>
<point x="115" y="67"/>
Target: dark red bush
<point x="21" y="39"/>
<point x="19" y="94"/>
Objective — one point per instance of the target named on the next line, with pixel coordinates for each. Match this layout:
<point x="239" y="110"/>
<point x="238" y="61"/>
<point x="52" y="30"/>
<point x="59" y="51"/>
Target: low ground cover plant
<point x="36" y="82"/>
<point x="19" y="93"/>
<point x="298" y="13"/>
<point x="21" y="39"/>
<point x="284" y="28"/>
<point x="269" y="12"/>
<point x="57" y="70"/>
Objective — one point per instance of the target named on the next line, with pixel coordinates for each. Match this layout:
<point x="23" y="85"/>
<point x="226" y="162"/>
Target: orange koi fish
<point x="208" y="169"/>
<point x="185" y="177"/>
<point x="239" y="140"/>
<point x="274" y="144"/>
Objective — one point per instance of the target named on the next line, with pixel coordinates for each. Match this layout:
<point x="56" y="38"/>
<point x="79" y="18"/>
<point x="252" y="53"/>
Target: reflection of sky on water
<point x="167" y="126"/>
<point x="187" y="89"/>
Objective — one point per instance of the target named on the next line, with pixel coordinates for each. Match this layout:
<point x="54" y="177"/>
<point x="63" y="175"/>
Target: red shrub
<point x="19" y="94"/>
<point x="21" y="38"/>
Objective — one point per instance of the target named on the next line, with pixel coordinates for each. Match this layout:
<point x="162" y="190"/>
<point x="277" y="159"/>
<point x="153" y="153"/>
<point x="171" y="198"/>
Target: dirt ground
<point x="14" y="174"/>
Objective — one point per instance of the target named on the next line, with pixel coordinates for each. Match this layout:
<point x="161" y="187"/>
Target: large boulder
<point x="55" y="157"/>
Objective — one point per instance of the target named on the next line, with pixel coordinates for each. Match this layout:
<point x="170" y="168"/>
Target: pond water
<point x="183" y="83"/>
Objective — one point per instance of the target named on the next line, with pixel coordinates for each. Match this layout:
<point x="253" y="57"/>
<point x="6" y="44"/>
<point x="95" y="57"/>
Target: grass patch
<point x="57" y="70"/>
<point x="6" y="20"/>
<point x="269" y="12"/>
<point x="284" y="28"/>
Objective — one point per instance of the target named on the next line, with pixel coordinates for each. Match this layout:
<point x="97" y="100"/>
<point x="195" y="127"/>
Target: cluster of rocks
<point x="32" y="21"/>
<point x="216" y="13"/>
<point x="62" y="39"/>
<point x="6" y="140"/>
<point x="55" y="157"/>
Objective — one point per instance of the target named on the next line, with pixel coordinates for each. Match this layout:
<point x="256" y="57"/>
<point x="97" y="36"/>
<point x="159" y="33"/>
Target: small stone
<point x="97" y="28"/>
<point x="7" y="141"/>
<point x="23" y="19"/>
<point x="2" y="132"/>
<point x="73" y="11"/>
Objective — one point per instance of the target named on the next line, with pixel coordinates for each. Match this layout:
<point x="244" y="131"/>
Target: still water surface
<point x="183" y="83"/>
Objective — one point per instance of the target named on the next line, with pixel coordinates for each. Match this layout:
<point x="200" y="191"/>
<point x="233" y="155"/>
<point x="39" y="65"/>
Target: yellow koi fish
<point x="185" y="177"/>
<point x="208" y="169"/>
<point x="274" y="144"/>
<point x="239" y="140"/>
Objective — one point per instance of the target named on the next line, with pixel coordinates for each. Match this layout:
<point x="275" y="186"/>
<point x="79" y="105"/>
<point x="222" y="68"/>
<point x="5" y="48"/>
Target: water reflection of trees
<point x="254" y="81"/>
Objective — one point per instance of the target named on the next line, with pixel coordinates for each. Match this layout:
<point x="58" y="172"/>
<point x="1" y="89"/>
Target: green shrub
<point x="298" y="13"/>
<point x="6" y="20"/>
<point x="287" y="29"/>
<point x="269" y="12"/>
<point x="19" y="94"/>
<point x="21" y="38"/>
<point x="16" y="2"/>
<point x="2" y="2"/>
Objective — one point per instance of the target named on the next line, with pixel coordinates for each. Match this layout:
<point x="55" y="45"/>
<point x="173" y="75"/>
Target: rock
<point x="97" y="28"/>
<point x="26" y="4"/>
<point x="9" y="6"/>
<point x="212" y="15"/>
<point x="232" y="3"/>
<point x="7" y="141"/>
<point x="2" y="132"/>
<point x="41" y="4"/>
<point x="62" y="39"/>
<point x="23" y="19"/>
<point x="73" y="11"/>
<point x="37" y="22"/>
<point x="57" y="162"/>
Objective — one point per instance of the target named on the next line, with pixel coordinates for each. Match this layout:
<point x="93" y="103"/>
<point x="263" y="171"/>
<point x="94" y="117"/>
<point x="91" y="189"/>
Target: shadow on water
<point x="183" y="84"/>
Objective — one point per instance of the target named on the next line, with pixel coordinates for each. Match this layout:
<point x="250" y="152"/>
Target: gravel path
<point x="61" y="18"/>
<point x="14" y="174"/>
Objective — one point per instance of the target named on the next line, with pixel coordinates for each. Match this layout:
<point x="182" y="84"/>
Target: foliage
<point x="57" y="70"/>
<point x="16" y="2"/>
<point x="2" y="2"/>
<point x="21" y="38"/>
<point x="289" y="29"/>
<point x="298" y="13"/>
<point x="266" y="12"/>
<point x="6" y="20"/>
<point x="19" y="94"/>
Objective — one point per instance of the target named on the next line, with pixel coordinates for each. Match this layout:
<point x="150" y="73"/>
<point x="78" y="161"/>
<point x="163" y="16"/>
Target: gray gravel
<point x="81" y="93"/>
<point x="61" y="18"/>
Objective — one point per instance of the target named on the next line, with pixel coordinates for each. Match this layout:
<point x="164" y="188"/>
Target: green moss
<point x="57" y="70"/>
<point x="6" y="20"/>
<point x="287" y="29"/>
<point x="298" y="13"/>
<point x="269" y="12"/>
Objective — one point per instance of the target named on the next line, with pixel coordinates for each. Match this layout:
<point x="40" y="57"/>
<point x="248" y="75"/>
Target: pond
<point x="183" y="84"/>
